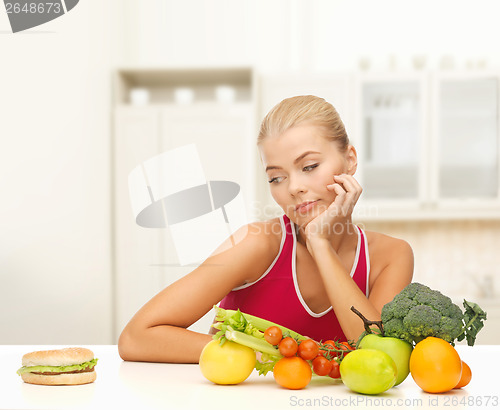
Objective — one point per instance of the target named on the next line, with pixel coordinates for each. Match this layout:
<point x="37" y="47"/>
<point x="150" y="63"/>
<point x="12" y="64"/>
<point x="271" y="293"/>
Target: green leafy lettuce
<point x="57" y="369"/>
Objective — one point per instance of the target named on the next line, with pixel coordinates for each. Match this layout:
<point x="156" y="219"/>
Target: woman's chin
<point x="302" y="220"/>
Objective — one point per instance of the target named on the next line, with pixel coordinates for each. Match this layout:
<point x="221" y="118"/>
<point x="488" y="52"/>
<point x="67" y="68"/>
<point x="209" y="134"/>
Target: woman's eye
<point x="309" y="167"/>
<point x="275" y="180"/>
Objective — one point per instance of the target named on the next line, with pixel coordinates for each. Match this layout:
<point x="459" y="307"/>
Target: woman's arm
<point x="395" y="274"/>
<point x="158" y="331"/>
<point x="342" y="291"/>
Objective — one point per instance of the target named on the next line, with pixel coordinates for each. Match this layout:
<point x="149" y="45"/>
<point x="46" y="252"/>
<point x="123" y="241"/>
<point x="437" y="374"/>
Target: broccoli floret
<point x="422" y="321"/>
<point x="451" y="328"/>
<point x="399" y="309"/>
<point x="412" y="289"/>
<point x="418" y="312"/>
<point x="439" y="302"/>
<point x="395" y="328"/>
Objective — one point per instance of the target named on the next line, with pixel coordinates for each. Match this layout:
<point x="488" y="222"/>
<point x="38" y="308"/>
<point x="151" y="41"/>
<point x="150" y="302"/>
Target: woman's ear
<point x="352" y="160"/>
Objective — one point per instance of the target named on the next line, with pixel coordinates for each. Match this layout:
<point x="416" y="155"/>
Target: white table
<point x="174" y="386"/>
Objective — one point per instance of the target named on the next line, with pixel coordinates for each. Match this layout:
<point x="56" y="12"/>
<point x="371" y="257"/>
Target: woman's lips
<point x="305" y="206"/>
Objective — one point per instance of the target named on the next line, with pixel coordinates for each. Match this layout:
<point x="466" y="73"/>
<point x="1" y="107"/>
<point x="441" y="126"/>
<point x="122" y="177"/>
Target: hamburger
<point x="72" y="365"/>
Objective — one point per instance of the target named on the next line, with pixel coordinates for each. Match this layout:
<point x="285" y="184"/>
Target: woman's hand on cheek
<point x="350" y="193"/>
<point x="347" y="191"/>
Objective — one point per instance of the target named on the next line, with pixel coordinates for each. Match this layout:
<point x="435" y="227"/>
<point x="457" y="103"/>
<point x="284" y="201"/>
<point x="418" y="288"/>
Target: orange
<point x="466" y="376"/>
<point x="292" y="372"/>
<point x="435" y="365"/>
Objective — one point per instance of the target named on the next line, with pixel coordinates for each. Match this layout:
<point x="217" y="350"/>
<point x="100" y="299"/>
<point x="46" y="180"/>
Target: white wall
<point x="310" y="35"/>
<point x="55" y="263"/>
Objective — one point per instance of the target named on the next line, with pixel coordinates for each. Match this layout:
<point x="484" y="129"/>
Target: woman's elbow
<point x="126" y="343"/>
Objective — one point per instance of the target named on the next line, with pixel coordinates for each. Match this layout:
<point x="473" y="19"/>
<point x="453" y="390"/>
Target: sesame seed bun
<point x="61" y="357"/>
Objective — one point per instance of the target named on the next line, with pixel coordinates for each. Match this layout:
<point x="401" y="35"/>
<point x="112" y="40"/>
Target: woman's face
<point x="299" y="164"/>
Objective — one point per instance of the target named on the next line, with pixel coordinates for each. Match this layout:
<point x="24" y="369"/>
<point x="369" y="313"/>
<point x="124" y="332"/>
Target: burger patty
<point x="87" y="369"/>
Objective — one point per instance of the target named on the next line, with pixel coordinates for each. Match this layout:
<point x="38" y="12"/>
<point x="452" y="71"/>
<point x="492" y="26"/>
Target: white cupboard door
<point x="137" y="249"/>
<point x="468" y="138"/>
<point x="391" y="140"/>
<point x="224" y="141"/>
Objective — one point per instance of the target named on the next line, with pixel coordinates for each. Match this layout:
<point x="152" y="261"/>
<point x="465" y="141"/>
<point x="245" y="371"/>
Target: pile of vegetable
<point x="415" y="335"/>
<point x="290" y="356"/>
<point x="418" y="312"/>
<point x="430" y="323"/>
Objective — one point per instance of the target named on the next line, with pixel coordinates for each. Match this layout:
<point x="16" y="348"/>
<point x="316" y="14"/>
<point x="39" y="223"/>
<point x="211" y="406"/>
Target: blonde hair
<point x="301" y="109"/>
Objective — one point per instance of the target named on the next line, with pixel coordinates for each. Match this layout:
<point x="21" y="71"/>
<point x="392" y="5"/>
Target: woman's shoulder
<point x="264" y="238"/>
<point x="249" y="251"/>
<point x="267" y="234"/>
<point x="391" y="260"/>
<point x="382" y="239"/>
<point x="256" y="240"/>
<point x="384" y="249"/>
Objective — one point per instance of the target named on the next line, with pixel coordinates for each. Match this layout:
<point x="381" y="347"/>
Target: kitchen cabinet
<point x="429" y="145"/>
<point x="466" y="138"/>
<point x="157" y="111"/>
<point x="392" y="155"/>
<point x="136" y="250"/>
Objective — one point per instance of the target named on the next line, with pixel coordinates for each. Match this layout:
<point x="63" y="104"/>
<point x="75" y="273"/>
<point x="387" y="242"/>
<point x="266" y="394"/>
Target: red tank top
<point x="275" y="296"/>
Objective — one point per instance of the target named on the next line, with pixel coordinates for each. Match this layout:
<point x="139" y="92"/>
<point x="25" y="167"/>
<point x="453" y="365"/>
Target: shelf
<point x="208" y="104"/>
<point x="184" y="85"/>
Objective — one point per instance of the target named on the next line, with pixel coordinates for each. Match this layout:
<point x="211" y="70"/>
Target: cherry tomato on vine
<point x="273" y="335"/>
<point x="330" y="344"/>
<point x="288" y="347"/>
<point x="321" y="366"/>
<point x="347" y="347"/>
<point x="342" y="346"/>
<point x="308" y="349"/>
<point x="335" y="371"/>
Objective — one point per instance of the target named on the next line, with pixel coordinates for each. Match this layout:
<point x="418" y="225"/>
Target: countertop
<point x="182" y="386"/>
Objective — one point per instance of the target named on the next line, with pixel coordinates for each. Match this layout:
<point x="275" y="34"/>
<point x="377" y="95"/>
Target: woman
<point x="303" y="270"/>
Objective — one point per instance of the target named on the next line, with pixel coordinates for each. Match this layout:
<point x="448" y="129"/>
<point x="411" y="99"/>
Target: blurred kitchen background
<point x="88" y="97"/>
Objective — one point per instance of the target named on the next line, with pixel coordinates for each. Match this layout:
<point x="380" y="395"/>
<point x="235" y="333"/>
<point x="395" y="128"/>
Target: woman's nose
<point x="296" y="186"/>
